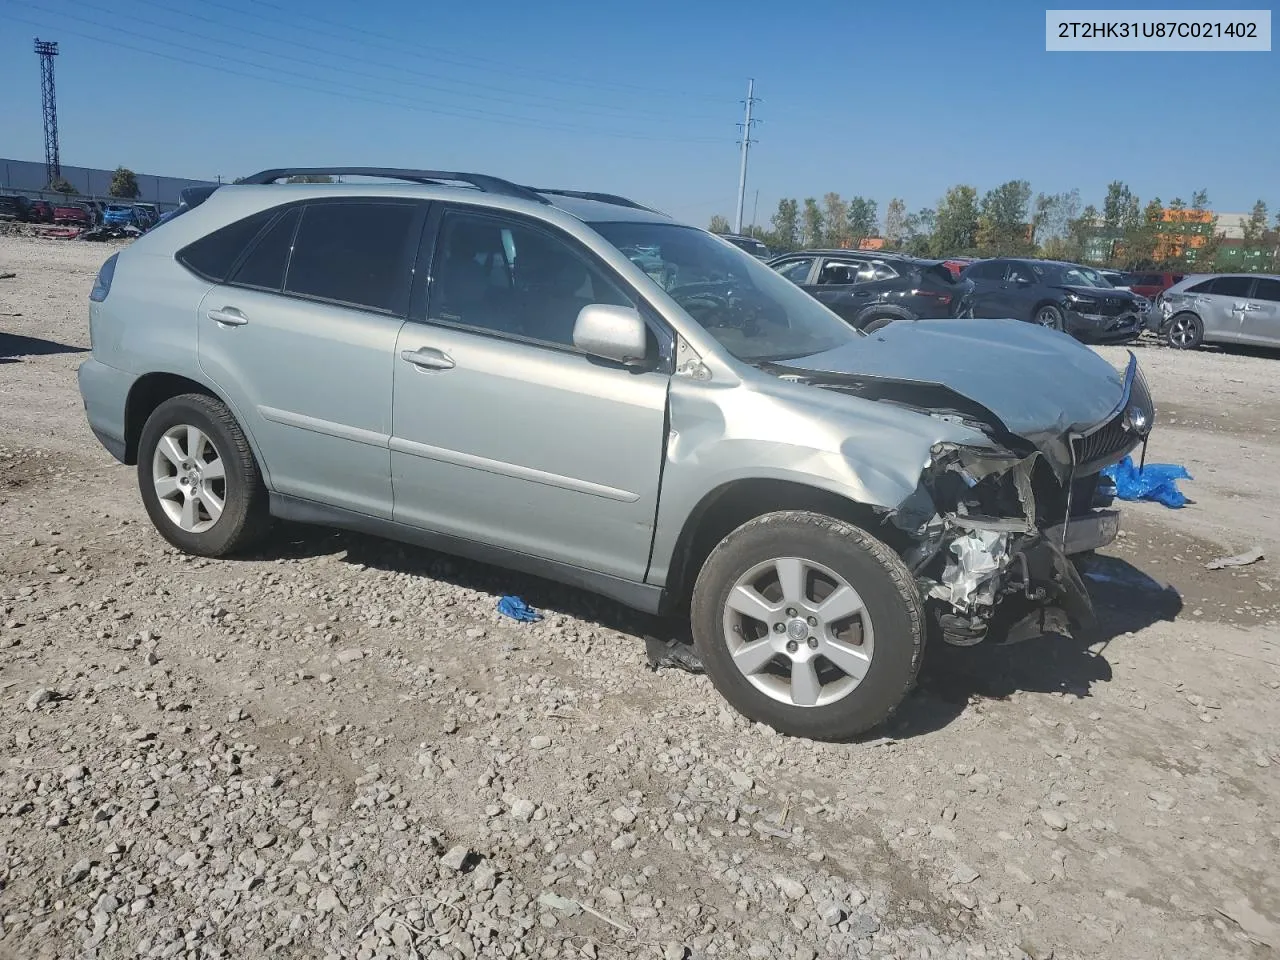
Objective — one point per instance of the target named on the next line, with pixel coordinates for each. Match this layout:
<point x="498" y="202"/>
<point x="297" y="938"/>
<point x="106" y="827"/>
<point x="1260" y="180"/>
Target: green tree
<point x="862" y="220"/>
<point x="1079" y="231"/>
<point x="919" y="227"/>
<point x="895" y="222"/>
<point x="1003" y="221"/>
<point x="786" y="226"/>
<point x="719" y="224"/>
<point x="1256" y="225"/>
<point x="1141" y="239"/>
<point x="812" y="223"/>
<point x="834" y="214"/>
<point x="1207" y="252"/>
<point x="124" y="184"/>
<point x="1053" y="212"/>
<point x="956" y="226"/>
<point x="63" y="186"/>
<point x="1120" y="208"/>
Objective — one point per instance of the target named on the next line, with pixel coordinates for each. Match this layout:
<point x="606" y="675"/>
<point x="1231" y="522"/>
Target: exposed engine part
<point x="961" y="631"/>
<point x="971" y="575"/>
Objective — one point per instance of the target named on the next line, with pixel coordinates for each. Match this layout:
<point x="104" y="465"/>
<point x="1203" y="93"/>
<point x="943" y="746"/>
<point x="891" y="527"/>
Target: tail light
<point x="102" y="285"/>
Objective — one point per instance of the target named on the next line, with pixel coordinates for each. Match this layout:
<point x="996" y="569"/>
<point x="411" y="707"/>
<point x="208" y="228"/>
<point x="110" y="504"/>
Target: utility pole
<point x="746" y="145"/>
<point x="52" y="163"/>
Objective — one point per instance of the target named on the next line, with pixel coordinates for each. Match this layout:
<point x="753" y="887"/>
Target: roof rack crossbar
<point x="611" y="198"/>
<point x="480" y="181"/>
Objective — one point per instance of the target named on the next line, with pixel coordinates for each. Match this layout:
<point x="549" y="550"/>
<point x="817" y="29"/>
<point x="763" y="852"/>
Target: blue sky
<point x="880" y="99"/>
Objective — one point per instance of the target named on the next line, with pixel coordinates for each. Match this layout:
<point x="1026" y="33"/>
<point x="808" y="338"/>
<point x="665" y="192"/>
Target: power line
<point x="448" y="55"/>
<point x="468" y="89"/>
<point x="344" y="91"/>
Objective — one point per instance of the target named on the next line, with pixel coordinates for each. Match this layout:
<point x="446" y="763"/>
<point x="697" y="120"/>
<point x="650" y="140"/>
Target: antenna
<point x="46" y="51"/>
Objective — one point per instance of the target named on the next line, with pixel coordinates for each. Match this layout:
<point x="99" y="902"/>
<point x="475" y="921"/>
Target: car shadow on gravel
<point x="14" y="346"/>
<point x="298" y="541"/>
<point x="951" y="679"/>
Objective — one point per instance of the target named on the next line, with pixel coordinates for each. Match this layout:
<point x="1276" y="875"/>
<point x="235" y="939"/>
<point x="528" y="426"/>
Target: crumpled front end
<point x="996" y="527"/>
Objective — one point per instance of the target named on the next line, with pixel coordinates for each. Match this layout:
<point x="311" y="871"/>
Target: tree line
<point x="1009" y="221"/>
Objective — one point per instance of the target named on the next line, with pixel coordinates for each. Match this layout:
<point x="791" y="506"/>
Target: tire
<point x="1048" y="316"/>
<point x="877" y="323"/>
<point x="168" y="468"/>
<point x="768" y="687"/>
<point x="1184" y="331"/>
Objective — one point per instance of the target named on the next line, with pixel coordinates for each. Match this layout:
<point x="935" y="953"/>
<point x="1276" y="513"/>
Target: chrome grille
<point x="1111" y="441"/>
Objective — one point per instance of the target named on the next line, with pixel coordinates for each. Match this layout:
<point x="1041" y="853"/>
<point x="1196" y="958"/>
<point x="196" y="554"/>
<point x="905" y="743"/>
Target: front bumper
<point x="1093" y="328"/>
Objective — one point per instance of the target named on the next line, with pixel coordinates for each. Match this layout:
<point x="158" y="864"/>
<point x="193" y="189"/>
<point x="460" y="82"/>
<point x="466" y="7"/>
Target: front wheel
<point x="808" y="624"/>
<point x="1049" y="316"/>
<point x="199" y="481"/>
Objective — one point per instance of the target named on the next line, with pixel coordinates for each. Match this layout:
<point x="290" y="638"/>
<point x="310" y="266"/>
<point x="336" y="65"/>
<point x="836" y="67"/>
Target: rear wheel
<point x="199" y="481"/>
<point x="1049" y="316"/>
<point x="1184" y="332"/>
<point x="877" y="323"/>
<point x="808" y="624"/>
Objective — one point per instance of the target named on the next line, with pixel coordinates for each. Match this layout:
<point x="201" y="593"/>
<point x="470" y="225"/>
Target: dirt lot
<point x="337" y="748"/>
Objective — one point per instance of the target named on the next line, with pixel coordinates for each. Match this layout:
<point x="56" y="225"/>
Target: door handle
<point x="428" y="358"/>
<point x="228" y="317"/>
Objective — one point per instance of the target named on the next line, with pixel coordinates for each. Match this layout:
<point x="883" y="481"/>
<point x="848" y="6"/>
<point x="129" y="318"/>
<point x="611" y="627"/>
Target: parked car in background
<point x="39" y="211"/>
<point x="1229" y="308"/>
<point x="150" y="213"/>
<point x="750" y="244"/>
<point x="13" y="208"/>
<point x="1117" y="278"/>
<point x="718" y="447"/>
<point x="124" y="214"/>
<point x="1062" y="296"/>
<point x="870" y="289"/>
<point x="72" y="215"/>
<point x="1151" y="285"/>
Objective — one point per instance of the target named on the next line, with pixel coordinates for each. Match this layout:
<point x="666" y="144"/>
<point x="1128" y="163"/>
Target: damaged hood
<point x="1038" y="383"/>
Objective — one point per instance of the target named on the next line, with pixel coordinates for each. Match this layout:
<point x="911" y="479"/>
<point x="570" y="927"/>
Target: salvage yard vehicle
<point x="123" y="214"/>
<point x="72" y="215"/>
<point x="750" y="244"/>
<point x="871" y="289"/>
<point x="477" y="367"/>
<point x="1230" y="308"/>
<point x="13" y="208"/>
<point x="1061" y="296"/>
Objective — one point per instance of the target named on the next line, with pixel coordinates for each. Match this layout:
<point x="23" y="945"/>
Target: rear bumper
<point x="104" y="391"/>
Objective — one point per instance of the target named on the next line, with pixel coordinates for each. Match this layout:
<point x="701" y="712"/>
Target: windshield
<point x="754" y="313"/>
<point x="1084" y="277"/>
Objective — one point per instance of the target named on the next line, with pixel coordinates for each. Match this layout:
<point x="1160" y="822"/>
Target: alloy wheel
<point x="1182" y="332"/>
<point x="190" y="478"/>
<point x="798" y="632"/>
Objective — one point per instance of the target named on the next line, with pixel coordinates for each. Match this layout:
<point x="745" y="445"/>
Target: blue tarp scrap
<point x="1155" y="481"/>
<point x="517" y="609"/>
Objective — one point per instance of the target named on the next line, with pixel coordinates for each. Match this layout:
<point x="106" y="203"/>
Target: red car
<point x="956" y="264"/>
<point x="1151" y="285"/>
<point x="72" y="215"/>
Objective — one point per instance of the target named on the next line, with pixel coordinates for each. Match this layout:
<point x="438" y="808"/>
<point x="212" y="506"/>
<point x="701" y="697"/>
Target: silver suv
<point x="1226" y="308"/>
<point x="574" y="385"/>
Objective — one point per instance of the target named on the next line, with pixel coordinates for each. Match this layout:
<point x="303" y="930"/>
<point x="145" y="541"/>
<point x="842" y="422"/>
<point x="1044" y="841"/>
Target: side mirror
<point x="612" y="333"/>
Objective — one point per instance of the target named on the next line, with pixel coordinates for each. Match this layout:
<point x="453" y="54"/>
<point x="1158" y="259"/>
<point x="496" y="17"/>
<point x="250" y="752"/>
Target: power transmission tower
<point x="52" y="163"/>
<point x="746" y="142"/>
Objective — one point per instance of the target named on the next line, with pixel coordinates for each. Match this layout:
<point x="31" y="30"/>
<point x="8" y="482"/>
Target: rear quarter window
<point x="213" y="255"/>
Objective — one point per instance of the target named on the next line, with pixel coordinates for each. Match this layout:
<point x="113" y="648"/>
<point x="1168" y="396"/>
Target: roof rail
<point x="611" y="198"/>
<point x="480" y="181"/>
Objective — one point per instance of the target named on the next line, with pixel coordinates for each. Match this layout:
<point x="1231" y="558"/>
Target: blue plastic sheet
<point x="1155" y="481"/>
<point x="517" y="609"/>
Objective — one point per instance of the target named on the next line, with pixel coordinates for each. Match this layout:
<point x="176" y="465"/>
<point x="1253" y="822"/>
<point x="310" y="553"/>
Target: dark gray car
<point x="1062" y="296"/>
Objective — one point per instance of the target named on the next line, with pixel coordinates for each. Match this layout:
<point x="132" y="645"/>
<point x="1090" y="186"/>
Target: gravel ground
<point x="337" y="748"/>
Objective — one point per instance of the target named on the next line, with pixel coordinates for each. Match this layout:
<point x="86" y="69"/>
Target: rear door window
<point x="1203" y="286"/>
<point x="356" y="253"/>
<point x="840" y="272"/>
<point x="1232" y="286"/>
<point x="797" y="271"/>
